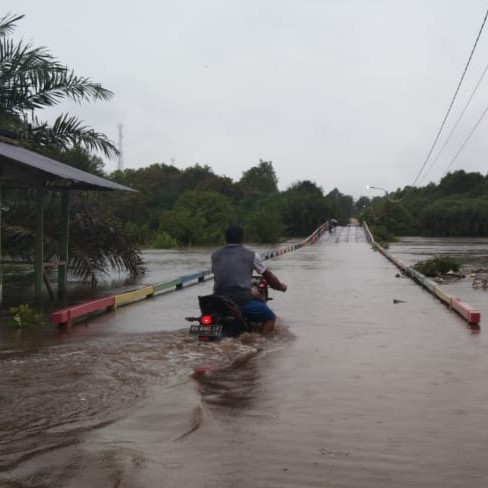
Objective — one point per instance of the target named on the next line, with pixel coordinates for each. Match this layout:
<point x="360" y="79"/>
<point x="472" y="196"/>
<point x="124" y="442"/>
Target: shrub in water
<point x="24" y="316"/>
<point x="437" y="265"/>
<point x="164" y="241"/>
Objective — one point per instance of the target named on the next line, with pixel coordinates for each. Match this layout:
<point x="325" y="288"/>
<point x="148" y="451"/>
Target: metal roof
<point x="19" y="166"/>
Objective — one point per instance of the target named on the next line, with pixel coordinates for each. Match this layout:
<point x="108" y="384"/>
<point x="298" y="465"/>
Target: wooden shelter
<point x="21" y="168"/>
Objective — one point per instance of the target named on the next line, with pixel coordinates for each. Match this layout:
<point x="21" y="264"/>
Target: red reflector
<point x="206" y="319"/>
<point x="203" y="338"/>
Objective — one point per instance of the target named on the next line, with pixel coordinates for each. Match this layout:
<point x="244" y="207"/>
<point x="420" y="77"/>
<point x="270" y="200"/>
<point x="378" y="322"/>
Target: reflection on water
<point x="354" y="390"/>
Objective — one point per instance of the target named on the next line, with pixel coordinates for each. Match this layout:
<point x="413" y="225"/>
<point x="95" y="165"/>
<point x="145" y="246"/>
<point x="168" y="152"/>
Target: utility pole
<point x="120" y="166"/>
<point x="387" y="208"/>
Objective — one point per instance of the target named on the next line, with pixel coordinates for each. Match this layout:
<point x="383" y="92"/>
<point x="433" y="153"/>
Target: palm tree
<point x="32" y="79"/>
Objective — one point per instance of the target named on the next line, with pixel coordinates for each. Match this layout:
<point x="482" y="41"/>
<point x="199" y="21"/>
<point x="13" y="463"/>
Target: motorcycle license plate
<point x="206" y="331"/>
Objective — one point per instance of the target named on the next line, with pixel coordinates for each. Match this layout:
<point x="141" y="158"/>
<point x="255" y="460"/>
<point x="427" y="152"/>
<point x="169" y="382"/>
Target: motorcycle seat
<point x="219" y="305"/>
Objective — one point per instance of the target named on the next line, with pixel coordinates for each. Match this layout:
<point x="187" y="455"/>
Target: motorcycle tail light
<point x="206" y="319"/>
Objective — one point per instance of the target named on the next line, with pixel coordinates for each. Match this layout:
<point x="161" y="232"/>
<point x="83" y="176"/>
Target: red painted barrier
<point x="465" y="310"/>
<point x="60" y="316"/>
<point x="66" y="315"/>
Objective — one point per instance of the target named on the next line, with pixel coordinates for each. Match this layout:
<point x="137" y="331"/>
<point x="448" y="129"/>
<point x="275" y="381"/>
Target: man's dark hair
<point x="234" y="234"/>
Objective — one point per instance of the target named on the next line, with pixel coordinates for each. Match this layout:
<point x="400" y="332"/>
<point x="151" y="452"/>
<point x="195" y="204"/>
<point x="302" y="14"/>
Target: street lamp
<point x="369" y="187"/>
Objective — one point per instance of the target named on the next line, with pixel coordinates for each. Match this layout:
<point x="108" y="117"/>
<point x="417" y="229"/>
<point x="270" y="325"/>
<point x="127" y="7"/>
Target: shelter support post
<point x="63" y="251"/>
<point x="39" y="256"/>
<point x="1" y="280"/>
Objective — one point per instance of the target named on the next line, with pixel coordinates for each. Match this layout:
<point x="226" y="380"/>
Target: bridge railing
<point x="68" y="315"/>
<point x="466" y="311"/>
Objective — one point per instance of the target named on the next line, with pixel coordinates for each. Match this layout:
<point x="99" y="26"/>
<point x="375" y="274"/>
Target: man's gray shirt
<point x="233" y="266"/>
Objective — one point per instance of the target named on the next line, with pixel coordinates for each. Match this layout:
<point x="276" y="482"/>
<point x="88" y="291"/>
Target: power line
<point x="452" y="101"/>
<point x="467" y="139"/>
<point x="457" y="122"/>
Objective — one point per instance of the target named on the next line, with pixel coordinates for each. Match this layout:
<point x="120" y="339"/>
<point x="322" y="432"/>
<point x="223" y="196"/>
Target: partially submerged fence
<point x="466" y="311"/>
<point x="68" y="315"/>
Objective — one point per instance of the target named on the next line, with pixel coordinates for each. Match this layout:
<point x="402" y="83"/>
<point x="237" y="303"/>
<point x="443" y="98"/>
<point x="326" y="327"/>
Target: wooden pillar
<point x="1" y="280"/>
<point x="39" y="250"/>
<point x="63" y="251"/>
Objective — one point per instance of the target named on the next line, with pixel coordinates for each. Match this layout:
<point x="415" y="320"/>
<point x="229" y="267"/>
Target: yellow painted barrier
<point x="132" y="296"/>
<point x="441" y="294"/>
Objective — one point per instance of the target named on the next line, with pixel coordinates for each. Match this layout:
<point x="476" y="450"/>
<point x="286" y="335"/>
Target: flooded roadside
<point x="471" y="253"/>
<point x="53" y="397"/>
<point x="353" y="391"/>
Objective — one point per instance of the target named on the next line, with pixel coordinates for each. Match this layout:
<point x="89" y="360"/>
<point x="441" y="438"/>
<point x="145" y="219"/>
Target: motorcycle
<point x="222" y="317"/>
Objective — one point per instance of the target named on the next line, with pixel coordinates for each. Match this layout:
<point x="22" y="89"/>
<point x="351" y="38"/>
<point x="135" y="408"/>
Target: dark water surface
<point x="352" y="391"/>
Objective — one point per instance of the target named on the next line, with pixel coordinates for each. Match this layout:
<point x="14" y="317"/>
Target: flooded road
<point x="352" y="391"/>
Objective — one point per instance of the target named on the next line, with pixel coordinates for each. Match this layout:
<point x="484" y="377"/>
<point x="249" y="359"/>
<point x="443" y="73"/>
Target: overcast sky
<point x="344" y="93"/>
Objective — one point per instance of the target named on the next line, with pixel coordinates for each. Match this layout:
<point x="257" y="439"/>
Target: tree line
<point x="193" y="206"/>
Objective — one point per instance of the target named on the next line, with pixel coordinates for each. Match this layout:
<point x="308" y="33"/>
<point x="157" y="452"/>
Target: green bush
<point x="382" y="235"/>
<point x="437" y="265"/>
<point x="164" y="241"/>
<point x="24" y="316"/>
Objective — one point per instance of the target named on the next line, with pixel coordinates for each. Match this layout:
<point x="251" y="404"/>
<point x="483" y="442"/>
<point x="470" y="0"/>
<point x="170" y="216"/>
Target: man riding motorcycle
<point x="233" y="266"/>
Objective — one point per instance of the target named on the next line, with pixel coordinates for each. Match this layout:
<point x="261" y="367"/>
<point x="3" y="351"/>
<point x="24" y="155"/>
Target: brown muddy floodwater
<point x="352" y="391"/>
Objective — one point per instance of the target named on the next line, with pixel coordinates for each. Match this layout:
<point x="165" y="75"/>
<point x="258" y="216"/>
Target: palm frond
<point x="49" y="87"/>
<point x="22" y="68"/>
<point x="8" y="23"/>
<point x="98" y="244"/>
<point x="31" y="78"/>
<point x="67" y="132"/>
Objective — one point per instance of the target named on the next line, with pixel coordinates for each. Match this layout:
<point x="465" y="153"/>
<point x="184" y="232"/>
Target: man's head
<point x="234" y="234"/>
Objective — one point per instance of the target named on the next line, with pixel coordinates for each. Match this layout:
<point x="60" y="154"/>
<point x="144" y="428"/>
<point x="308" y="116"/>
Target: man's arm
<point x="273" y="281"/>
<point x="270" y="277"/>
